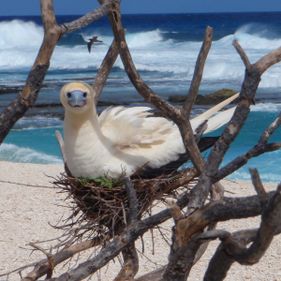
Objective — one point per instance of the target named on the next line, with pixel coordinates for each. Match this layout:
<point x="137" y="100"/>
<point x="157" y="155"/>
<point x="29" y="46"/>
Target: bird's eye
<point x="84" y="95"/>
<point x="68" y="95"/>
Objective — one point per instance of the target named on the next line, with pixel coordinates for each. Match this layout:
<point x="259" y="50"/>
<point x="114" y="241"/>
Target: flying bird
<point x="122" y="140"/>
<point x="91" y="41"/>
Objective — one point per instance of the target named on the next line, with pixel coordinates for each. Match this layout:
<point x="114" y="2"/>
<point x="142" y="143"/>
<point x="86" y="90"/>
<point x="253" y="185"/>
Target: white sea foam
<point x="20" y="34"/>
<point x="267" y="107"/>
<point x="11" y="152"/>
<point x="35" y="122"/>
<point x="19" y="43"/>
<point x="245" y="175"/>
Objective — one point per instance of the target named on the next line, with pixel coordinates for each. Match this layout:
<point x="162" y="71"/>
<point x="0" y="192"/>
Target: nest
<point x="102" y="206"/>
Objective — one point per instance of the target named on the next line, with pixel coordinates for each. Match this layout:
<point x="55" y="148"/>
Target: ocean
<point x="164" y="48"/>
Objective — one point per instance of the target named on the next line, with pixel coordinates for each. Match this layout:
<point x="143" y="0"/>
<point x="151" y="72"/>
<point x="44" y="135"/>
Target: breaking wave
<point x="14" y="153"/>
<point x="151" y="50"/>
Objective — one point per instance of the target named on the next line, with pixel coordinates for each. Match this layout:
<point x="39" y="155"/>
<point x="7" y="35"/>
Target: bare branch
<point x="247" y="95"/>
<point x="242" y="54"/>
<point x="133" y="201"/>
<point x="131" y="264"/>
<point x="261" y="147"/>
<point x="270" y="130"/>
<point x="241" y="160"/>
<point x="256" y="180"/>
<point x="233" y="249"/>
<point x="50" y="259"/>
<point x="225" y="209"/>
<point x="217" y="191"/>
<point x="43" y="266"/>
<point x="148" y="94"/>
<point x="198" y="72"/>
<point x="175" y="211"/>
<point x="105" y="69"/>
<point x="167" y="109"/>
<point x="268" y="60"/>
<point x="88" y="18"/>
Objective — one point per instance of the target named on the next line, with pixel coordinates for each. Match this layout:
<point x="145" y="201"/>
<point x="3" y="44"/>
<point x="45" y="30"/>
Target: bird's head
<point x="77" y="97"/>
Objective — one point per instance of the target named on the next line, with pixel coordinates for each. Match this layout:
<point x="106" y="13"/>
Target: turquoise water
<point x="31" y="145"/>
<point x="39" y="145"/>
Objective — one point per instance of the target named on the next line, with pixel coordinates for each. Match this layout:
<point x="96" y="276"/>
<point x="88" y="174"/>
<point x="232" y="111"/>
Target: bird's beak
<point x="76" y="98"/>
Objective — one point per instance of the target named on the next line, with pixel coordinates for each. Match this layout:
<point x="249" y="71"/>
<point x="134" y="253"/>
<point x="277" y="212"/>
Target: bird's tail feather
<point x="221" y="118"/>
<point x="207" y="114"/>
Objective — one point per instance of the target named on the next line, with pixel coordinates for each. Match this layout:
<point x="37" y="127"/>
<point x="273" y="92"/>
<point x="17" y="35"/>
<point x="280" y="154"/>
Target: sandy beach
<point x="29" y="206"/>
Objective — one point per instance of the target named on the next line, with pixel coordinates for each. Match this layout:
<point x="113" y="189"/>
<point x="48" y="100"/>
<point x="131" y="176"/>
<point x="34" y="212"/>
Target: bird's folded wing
<point x="129" y="128"/>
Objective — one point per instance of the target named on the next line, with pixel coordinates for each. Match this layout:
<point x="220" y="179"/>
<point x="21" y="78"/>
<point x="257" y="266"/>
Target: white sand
<point x="27" y="211"/>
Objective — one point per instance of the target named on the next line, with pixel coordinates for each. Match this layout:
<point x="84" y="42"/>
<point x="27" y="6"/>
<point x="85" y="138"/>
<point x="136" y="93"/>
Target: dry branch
<point x="256" y="180"/>
<point x="226" y="209"/>
<point x="247" y="95"/>
<point x="198" y="73"/>
<point x="261" y="147"/>
<point x="88" y="18"/>
<point x="42" y="267"/>
<point x="130" y="265"/>
<point x="105" y="69"/>
<point x="166" y="109"/>
<point x="242" y="54"/>
<point x="119" y="34"/>
<point x="234" y="248"/>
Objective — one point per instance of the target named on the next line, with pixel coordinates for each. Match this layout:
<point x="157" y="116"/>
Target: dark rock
<point x="216" y="97"/>
<point x="47" y="105"/>
<point x="10" y="89"/>
<point x="209" y="99"/>
<point x="176" y="98"/>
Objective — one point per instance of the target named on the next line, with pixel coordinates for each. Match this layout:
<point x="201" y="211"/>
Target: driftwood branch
<point x="261" y="147"/>
<point x="148" y="94"/>
<point x="43" y="267"/>
<point x="105" y="69"/>
<point x="130" y="256"/>
<point x="222" y="210"/>
<point x="88" y="18"/>
<point x="130" y="265"/>
<point x="226" y="209"/>
<point x="270" y="130"/>
<point x="234" y="249"/>
<point x="256" y="180"/>
<point x="198" y="73"/>
<point x="133" y="201"/>
<point x="167" y="109"/>
<point x="242" y="54"/>
<point x="247" y="95"/>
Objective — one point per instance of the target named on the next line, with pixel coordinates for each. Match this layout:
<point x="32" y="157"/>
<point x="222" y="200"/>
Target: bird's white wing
<point x="134" y="131"/>
<point x="134" y="127"/>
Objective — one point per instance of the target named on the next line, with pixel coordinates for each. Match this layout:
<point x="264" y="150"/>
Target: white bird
<point x="122" y="140"/>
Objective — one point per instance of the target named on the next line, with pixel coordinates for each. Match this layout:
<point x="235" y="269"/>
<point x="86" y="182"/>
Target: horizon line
<point x="155" y="13"/>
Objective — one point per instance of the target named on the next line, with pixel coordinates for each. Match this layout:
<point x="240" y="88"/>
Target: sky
<point x="31" y="7"/>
